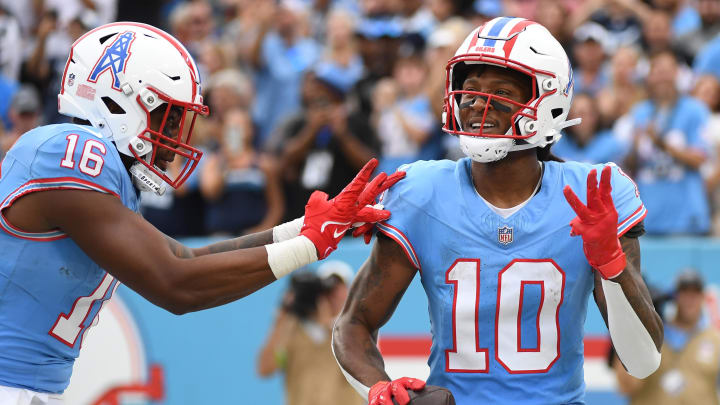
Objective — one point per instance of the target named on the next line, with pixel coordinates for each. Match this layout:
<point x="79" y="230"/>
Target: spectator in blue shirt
<point x="691" y="43"/>
<point x="322" y="146"/>
<point x="684" y="17"/>
<point x="708" y="60"/>
<point x="589" y="55"/>
<point x="667" y="152"/>
<point x="282" y="54"/>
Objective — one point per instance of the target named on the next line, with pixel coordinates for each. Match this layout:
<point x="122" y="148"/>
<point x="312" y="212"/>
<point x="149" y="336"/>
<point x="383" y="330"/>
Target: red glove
<point x="596" y="223"/>
<point x="368" y="196"/>
<point x="326" y="221"/>
<point x="383" y="392"/>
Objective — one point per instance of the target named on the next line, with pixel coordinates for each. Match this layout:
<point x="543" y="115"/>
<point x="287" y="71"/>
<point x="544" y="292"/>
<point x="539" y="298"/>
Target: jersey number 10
<point x="466" y="355"/>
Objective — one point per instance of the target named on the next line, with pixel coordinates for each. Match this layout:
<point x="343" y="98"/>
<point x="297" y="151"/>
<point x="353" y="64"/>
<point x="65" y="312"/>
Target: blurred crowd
<point x="303" y="92"/>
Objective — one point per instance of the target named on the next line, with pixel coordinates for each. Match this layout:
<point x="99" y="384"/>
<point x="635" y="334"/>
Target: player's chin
<point x="162" y="164"/>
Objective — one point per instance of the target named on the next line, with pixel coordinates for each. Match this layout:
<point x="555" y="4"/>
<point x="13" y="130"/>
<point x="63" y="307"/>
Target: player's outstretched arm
<point x="627" y="308"/>
<point x="139" y="255"/>
<point x="373" y="297"/>
<point x="243" y="242"/>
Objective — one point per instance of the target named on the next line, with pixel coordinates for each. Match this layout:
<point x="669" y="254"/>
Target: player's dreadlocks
<point x="545" y="155"/>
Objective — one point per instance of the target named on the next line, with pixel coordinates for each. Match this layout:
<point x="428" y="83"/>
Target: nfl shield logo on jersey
<point x="505" y="235"/>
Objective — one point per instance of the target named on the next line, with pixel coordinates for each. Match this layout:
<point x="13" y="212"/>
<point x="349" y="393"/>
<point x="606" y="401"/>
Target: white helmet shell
<point x="117" y="74"/>
<point x="527" y="47"/>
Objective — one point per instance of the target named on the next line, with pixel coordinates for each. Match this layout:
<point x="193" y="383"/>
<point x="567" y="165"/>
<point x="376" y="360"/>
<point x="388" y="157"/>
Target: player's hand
<point x="383" y="392"/>
<point x="326" y="221"/>
<point x="371" y="192"/>
<point x="596" y="223"/>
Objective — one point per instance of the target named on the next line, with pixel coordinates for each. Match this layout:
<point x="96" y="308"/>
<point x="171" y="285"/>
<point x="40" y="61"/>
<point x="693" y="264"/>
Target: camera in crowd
<point x="303" y="293"/>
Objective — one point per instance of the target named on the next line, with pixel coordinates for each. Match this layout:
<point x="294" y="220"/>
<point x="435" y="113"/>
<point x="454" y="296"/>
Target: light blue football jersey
<point x="50" y="290"/>
<point x="507" y="297"/>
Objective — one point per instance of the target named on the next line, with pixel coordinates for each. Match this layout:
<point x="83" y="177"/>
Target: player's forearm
<point x="183" y="282"/>
<point x="243" y="242"/>
<point x="635" y="328"/>
<point x="641" y="305"/>
<point x="357" y="354"/>
<point x="636" y="291"/>
<point x="211" y="280"/>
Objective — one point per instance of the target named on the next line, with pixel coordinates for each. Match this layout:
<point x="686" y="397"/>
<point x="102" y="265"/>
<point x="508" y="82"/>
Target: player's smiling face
<point x="495" y="81"/>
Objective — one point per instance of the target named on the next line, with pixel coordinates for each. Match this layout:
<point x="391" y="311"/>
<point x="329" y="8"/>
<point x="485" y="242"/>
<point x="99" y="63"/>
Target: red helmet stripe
<point x="475" y="38"/>
<point x="507" y="48"/>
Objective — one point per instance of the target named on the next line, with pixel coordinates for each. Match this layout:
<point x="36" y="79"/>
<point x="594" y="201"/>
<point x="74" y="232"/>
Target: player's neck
<point x="509" y="181"/>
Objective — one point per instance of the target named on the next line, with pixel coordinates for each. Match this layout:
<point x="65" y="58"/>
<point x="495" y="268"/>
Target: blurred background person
<point x="707" y="90"/>
<point x="11" y="44"/>
<point x="690" y="365"/>
<point x="441" y="46"/>
<point x="283" y="51"/>
<point x="340" y="56"/>
<point x="707" y="60"/>
<point x="667" y="151"/>
<point x="248" y="19"/>
<point x="622" y="19"/>
<point x="25" y="114"/>
<point x="588" y="142"/>
<point x="552" y="14"/>
<point x="299" y="343"/>
<point x="590" y="72"/>
<point x="683" y="15"/>
<point x="692" y="42"/>
<point x="378" y="42"/>
<point x="403" y="117"/>
<point x="240" y="185"/>
<point x="191" y="22"/>
<point x="624" y="89"/>
<point x="324" y="145"/>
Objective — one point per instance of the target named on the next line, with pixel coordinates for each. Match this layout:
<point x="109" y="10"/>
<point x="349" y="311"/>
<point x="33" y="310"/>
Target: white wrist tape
<point x="633" y="343"/>
<point x="289" y="255"/>
<point x="361" y="388"/>
<point x="288" y="230"/>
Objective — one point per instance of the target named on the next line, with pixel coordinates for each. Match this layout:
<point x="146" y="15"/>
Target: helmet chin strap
<point x="145" y="180"/>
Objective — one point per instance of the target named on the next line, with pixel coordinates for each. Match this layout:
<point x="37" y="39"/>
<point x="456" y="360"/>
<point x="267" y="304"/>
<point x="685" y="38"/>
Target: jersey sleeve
<point x="627" y="200"/>
<point x="404" y="201"/>
<point x="76" y="160"/>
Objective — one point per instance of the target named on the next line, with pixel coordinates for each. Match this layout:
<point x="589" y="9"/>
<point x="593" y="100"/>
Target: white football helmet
<point x="116" y="75"/>
<point x="524" y="46"/>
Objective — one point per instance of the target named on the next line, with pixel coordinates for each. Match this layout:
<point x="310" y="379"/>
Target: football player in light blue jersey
<point x="491" y="237"/>
<point x="69" y="227"/>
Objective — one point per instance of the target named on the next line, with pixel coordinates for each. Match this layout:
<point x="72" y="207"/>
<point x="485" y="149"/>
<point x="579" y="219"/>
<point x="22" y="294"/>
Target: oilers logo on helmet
<point x="114" y="58"/>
